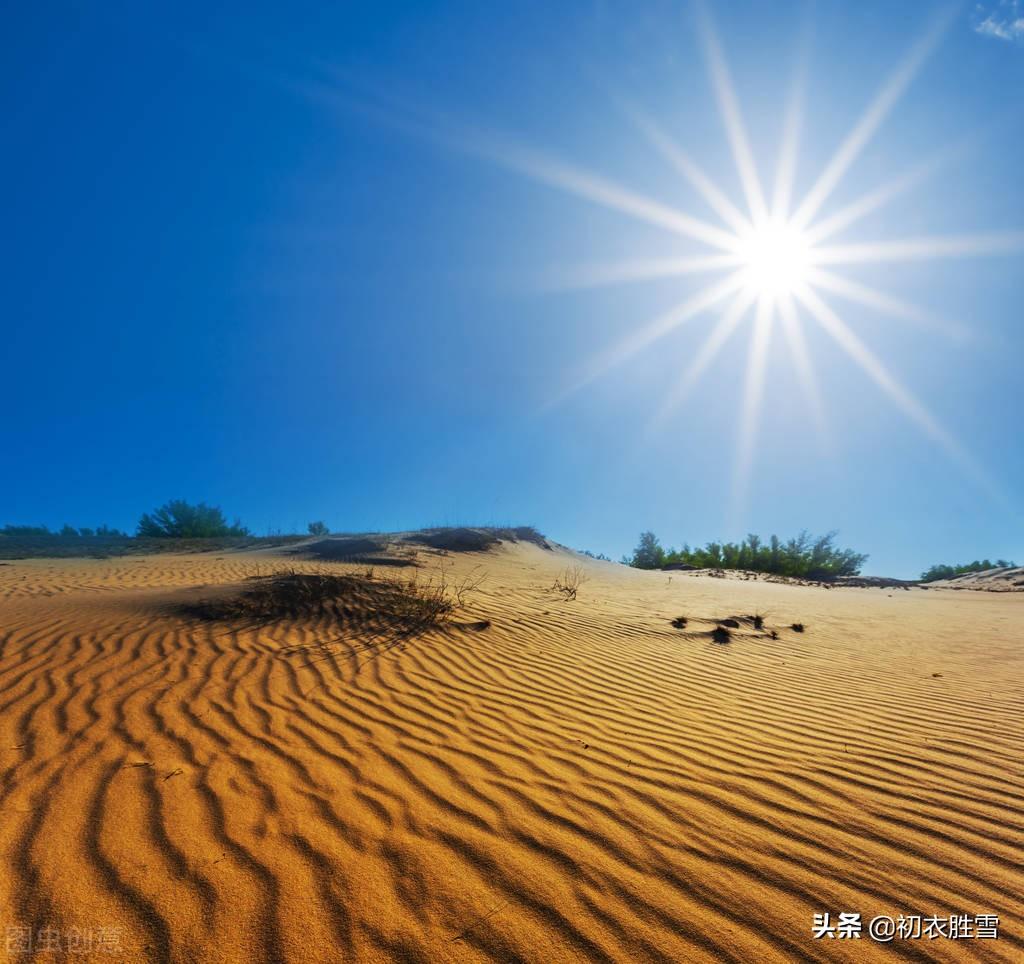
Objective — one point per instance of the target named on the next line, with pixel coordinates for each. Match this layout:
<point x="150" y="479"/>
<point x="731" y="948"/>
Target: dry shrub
<point x="396" y="606"/>
<point x="569" y="582"/>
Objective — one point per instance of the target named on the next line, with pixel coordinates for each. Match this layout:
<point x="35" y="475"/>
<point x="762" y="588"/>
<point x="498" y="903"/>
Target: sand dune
<point x="1006" y="579"/>
<point x="579" y="782"/>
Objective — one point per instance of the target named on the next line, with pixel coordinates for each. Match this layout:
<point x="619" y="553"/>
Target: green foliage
<point x="66" y="533"/>
<point x="318" y="529"/>
<point x="648" y="554"/>
<point x="179" y="520"/>
<point x="804" y="556"/>
<point x="25" y="532"/>
<point x="948" y="572"/>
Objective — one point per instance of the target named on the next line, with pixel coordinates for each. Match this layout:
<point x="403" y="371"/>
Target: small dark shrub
<point x="395" y="607"/>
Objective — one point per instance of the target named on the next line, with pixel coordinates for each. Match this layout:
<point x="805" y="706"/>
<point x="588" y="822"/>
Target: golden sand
<point x="580" y="782"/>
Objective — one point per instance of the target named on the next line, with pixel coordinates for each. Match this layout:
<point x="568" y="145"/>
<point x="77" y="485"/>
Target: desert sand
<point x="581" y="781"/>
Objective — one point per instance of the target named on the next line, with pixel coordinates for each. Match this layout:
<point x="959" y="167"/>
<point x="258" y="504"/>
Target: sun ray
<point x="771" y="256"/>
<point x="856" y="350"/>
<point x="709" y="349"/>
<point x="886" y="304"/>
<point x="868" y="203"/>
<point x="753" y="389"/>
<point x="870" y="121"/>
<point x="685" y="165"/>
<point x="794" y="335"/>
<point x="731" y="116"/>
<point x="785" y="170"/>
<point x="679" y="314"/>
<point x="647" y="269"/>
<point x="921" y="249"/>
<point x="600" y="190"/>
<point x="504" y="151"/>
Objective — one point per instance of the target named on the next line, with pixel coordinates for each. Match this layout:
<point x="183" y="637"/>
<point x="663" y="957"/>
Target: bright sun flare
<point x="775" y="258"/>
<point x="778" y="254"/>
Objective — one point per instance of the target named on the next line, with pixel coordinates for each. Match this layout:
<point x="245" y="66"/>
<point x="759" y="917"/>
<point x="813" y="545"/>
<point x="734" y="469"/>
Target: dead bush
<point x="569" y="582"/>
<point x="393" y="606"/>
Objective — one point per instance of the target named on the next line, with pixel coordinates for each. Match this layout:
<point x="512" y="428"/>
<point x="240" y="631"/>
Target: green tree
<point x="648" y="554"/>
<point x="945" y="571"/>
<point x="318" y="529"/>
<point x="818" y="558"/>
<point x="179" y="520"/>
<point x="25" y="531"/>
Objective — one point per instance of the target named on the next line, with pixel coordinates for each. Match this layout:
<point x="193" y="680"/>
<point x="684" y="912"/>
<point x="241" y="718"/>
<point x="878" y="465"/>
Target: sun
<point x="775" y="258"/>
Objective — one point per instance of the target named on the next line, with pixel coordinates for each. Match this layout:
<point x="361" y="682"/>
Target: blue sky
<point x="291" y="260"/>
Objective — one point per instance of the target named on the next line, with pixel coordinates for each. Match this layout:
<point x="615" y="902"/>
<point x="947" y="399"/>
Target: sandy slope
<point x="581" y="781"/>
<point x="989" y="580"/>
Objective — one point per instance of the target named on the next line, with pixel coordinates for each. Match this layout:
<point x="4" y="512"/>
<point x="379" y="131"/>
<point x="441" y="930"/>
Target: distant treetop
<point x="179" y="520"/>
<point x="65" y="533"/>
<point x="804" y="556"/>
<point x="941" y="571"/>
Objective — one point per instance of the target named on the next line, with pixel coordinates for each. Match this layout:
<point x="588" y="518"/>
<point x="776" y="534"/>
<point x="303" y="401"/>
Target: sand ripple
<point x="581" y="781"/>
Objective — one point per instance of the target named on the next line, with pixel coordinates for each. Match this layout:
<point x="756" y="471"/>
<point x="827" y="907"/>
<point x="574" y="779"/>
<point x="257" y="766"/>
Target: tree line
<point x="176" y="519"/>
<point x="66" y="532"/>
<point x="804" y="555"/>
<point x="942" y="571"/>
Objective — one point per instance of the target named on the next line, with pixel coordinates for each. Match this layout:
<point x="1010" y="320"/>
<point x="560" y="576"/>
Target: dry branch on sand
<point x="569" y="582"/>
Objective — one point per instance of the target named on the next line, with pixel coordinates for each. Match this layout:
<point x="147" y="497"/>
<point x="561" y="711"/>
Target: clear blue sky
<point x="252" y="256"/>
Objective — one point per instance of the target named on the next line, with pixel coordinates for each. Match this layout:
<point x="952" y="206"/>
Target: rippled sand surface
<point x="581" y="781"/>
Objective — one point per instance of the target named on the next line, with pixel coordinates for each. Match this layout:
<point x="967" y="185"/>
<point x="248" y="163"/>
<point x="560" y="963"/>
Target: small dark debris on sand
<point x="721" y="635"/>
<point x="797" y="627"/>
<point x="729" y="623"/>
<point x="679" y="622"/>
